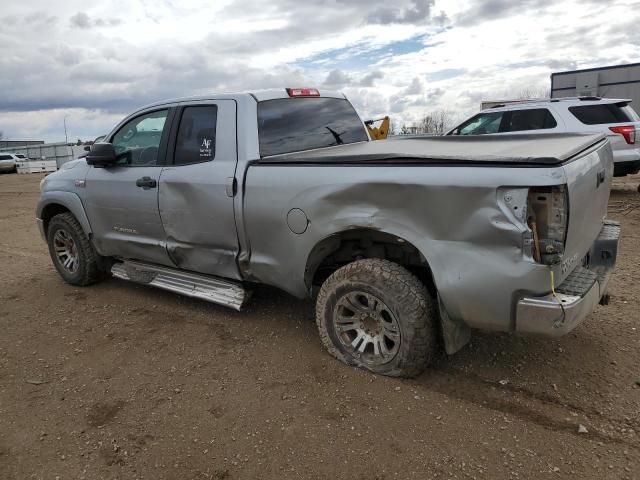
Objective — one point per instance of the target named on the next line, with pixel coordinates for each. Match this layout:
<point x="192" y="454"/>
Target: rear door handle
<point x="146" y="183"/>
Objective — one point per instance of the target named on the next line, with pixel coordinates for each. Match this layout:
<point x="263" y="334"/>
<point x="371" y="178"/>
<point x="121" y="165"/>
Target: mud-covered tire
<point x="90" y="266"/>
<point x="405" y="298"/>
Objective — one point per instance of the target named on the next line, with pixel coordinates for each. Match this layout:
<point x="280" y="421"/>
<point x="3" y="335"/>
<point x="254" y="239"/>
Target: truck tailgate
<point x="589" y="177"/>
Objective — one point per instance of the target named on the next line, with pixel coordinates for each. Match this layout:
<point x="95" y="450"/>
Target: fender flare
<point x="329" y="242"/>
<point x="69" y="200"/>
<point x="455" y="332"/>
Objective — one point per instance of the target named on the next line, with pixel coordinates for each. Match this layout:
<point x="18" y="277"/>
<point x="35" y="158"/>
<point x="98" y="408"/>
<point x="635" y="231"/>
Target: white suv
<point x="613" y="117"/>
<point x="9" y="161"/>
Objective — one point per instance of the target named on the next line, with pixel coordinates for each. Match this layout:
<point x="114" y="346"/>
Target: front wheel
<point x="376" y="315"/>
<point x="73" y="255"/>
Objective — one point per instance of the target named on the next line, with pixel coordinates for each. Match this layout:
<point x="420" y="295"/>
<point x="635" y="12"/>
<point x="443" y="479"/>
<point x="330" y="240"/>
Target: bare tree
<point x="531" y="92"/>
<point x="437" y="122"/>
<point x="1" y="135"/>
<point x="392" y="128"/>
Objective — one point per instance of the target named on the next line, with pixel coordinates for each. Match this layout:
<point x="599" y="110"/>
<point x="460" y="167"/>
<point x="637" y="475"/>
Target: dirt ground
<point x="120" y="381"/>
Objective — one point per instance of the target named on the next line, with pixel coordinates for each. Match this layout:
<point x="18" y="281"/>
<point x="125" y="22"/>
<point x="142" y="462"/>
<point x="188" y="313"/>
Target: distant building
<point x="617" y="81"/>
<point x="19" y="143"/>
<point x="61" y="152"/>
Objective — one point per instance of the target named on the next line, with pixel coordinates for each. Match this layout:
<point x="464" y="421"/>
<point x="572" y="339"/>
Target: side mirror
<point x="101" y="155"/>
<point x="87" y="148"/>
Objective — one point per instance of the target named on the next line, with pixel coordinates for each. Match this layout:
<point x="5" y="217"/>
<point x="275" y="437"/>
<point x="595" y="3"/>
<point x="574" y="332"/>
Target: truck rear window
<point x="288" y="125"/>
<point x="602" y="113"/>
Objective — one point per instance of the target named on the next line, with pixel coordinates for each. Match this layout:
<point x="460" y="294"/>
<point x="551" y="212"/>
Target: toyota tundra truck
<point x="406" y="243"/>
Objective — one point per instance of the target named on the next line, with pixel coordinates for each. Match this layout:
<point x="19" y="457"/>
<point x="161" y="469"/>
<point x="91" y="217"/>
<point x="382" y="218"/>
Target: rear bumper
<point x="620" y="169"/>
<point x="556" y="315"/>
<point x="7" y="167"/>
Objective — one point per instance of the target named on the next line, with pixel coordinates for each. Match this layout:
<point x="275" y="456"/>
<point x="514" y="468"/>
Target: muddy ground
<point x="125" y="381"/>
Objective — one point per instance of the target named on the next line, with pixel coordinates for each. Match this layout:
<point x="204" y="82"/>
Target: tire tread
<point x="91" y="263"/>
<point x="419" y="313"/>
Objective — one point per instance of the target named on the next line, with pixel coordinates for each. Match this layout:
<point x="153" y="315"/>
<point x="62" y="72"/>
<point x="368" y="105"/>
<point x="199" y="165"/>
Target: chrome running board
<point x="205" y="287"/>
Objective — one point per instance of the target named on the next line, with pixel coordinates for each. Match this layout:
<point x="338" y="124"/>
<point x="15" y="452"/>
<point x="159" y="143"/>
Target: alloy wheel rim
<point x="367" y="328"/>
<point x="66" y="251"/>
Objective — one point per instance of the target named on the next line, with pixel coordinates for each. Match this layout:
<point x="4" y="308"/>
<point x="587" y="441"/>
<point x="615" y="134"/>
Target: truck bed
<point x="506" y="150"/>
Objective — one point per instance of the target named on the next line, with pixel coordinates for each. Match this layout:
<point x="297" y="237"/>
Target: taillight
<point x="547" y="217"/>
<point x="303" y="92"/>
<point x="627" y="131"/>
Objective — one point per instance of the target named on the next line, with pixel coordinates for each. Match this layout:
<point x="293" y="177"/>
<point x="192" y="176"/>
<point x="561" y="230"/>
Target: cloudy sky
<point x="95" y="61"/>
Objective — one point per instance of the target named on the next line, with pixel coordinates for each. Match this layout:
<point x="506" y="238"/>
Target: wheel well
<point x="51" y="211"/>
<point x="342" y="248"/>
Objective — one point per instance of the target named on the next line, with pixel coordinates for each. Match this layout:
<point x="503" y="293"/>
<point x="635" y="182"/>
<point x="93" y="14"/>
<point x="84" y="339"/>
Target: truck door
<point x="197" y="186"/>
<point x="121" y="201"/>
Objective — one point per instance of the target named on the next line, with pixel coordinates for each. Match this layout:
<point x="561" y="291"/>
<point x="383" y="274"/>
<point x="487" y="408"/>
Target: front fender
<point x="68" y="200"/>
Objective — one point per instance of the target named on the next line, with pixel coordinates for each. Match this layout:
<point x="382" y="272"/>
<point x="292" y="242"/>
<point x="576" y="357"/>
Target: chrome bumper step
<point x="577" y="296"/>
<point x="205" y="287"/>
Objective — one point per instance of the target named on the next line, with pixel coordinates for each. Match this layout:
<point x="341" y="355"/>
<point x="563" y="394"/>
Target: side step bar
<point x="205" y="287"/>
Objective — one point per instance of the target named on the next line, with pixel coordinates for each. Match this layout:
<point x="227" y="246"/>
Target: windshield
<point x="481" y="124"/>
<point x="288" y="125"/>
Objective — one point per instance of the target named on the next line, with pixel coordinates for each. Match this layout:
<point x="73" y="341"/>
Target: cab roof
<point x="256" y="95"/>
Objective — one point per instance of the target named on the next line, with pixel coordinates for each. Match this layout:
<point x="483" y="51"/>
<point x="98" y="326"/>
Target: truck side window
<point x="138" y="141"/>
<point x="196" y="141"/>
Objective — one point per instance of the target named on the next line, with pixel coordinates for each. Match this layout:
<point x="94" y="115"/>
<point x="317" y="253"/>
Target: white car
<point x="9" y="161"/>
<point x="613" y="117"/>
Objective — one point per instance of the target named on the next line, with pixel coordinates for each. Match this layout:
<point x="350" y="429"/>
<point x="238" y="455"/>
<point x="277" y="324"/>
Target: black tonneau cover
<point x="514" y="150"/>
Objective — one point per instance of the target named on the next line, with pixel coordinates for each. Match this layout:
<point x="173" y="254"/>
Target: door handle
<point x="146" y="183"/>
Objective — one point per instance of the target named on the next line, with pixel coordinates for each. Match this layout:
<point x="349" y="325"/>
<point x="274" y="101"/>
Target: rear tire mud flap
<point x="455" y="333"/>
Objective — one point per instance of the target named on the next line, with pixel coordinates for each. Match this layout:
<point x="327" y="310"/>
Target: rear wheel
<point x="376" y="315"/>
<point x="73" y="255"/>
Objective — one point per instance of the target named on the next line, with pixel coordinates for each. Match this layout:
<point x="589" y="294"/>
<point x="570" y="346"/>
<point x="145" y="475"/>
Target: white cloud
<point x="416" y="87"/>
<point x="337" y="79"/>
<point x="95" y="61"/>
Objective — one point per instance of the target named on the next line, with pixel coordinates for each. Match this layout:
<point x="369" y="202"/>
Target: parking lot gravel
<point x="122" y="381"/>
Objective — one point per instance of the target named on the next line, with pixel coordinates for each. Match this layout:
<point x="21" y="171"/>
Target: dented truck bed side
<point x="463" y="221"/>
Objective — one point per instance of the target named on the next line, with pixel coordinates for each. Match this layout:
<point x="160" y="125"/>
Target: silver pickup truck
<point x="407" y="243"/>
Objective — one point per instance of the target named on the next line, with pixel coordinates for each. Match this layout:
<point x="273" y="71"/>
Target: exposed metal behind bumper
<point x="557" y="315"/>
<point x="204" y="287"/>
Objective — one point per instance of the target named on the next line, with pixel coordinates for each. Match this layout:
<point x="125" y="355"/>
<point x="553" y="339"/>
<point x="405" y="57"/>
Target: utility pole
<point x="66" y="140"/>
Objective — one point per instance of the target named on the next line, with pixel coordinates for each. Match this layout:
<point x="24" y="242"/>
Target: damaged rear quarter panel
<point x="450" y="214"/>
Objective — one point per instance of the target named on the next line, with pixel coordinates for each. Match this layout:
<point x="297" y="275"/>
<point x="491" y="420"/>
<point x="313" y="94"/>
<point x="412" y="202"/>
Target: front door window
<point x="137" y="143"/>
